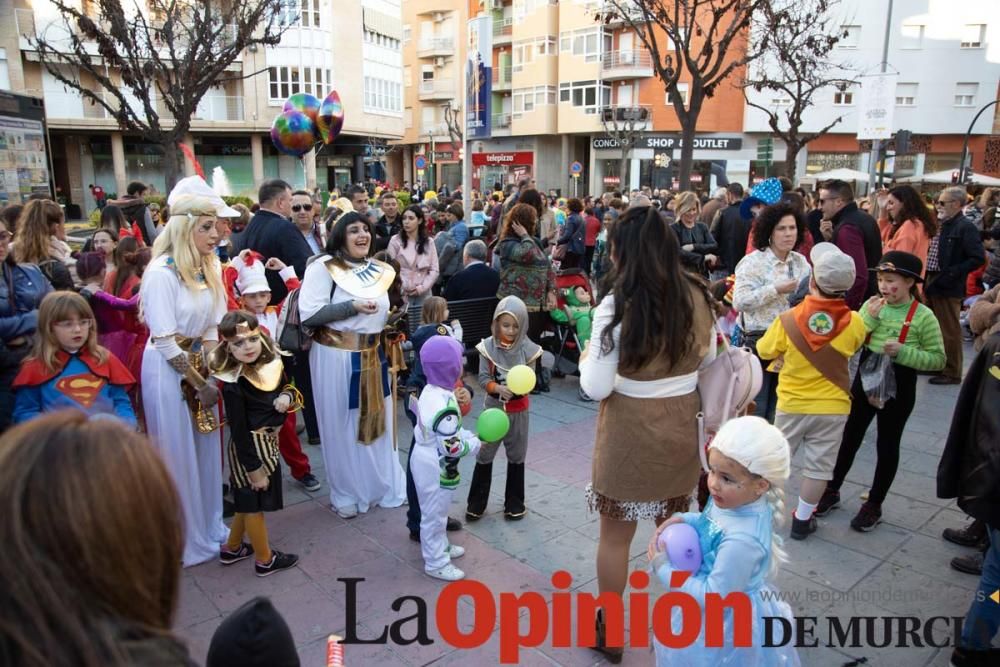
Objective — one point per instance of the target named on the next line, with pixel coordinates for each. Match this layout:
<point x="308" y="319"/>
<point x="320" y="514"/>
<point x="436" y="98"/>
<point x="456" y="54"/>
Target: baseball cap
<point x="833" y="270"/>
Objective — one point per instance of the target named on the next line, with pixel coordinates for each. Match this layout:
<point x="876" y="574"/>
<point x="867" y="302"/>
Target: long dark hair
<point x="912" y="209"/>
<point x="653" y="301"/>
<point x="422" y="237"/>
<point x="532" y="198"/>
<point x="338" y="235"/>
<point x="113" y="218"/>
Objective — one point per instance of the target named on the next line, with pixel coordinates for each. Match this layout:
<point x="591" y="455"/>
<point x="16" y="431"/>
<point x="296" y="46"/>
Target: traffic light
<point x="954" y="177"/>
<point x="903" y="142"/>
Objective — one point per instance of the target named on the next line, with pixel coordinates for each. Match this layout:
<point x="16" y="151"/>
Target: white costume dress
<point x="194" y="459"/>
<point x="359" y="474"/>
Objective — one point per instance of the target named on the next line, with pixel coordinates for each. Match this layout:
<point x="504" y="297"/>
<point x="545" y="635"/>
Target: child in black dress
<point x="256" y="398"/>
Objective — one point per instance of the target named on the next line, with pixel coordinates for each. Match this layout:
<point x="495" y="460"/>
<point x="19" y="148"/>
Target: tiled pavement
<point x="901" y="568"/>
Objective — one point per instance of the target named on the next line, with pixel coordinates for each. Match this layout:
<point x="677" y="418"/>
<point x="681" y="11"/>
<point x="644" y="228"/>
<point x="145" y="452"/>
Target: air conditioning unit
<point x="439" y="61"/>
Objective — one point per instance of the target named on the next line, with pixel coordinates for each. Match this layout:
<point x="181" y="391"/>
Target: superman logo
<point x="84" y="388"/>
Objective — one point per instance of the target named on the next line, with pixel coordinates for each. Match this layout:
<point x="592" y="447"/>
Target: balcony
<point x="612" y="17"/>
<point x="436" y="46"/>
<point x="627" y="116"/>
<point x="437" y="89"/>
<point x="435" y="129"/>
<point x="502" y="30"/>
<point x="500" y="126"/>
<point x="501" y="78"/>
<point x="620" y="65"/>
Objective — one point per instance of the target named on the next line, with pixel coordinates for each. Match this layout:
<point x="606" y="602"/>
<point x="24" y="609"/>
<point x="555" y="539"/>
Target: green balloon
<point x="492" y="425"/>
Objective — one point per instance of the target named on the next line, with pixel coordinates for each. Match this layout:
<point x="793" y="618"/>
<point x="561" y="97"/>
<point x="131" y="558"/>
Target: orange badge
<point x="83" y="388"/>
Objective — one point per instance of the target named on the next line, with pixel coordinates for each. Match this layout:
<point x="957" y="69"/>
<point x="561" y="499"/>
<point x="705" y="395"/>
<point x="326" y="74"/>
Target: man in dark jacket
<point x="955" y="252"/>
<point x="970" y="471"/>
<point x="855" y="233"/>
<point x="476" y="280"/>
<point x="731" y="232"/>
<point x="390" y="223"/>
<point x="272" y="234"/>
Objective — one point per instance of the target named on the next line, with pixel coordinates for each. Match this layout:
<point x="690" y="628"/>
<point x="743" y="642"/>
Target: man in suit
<point x="476" y="280"/>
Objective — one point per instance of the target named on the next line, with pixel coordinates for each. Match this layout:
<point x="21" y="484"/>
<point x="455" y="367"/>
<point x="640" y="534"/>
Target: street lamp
<point x="965" y="144"/>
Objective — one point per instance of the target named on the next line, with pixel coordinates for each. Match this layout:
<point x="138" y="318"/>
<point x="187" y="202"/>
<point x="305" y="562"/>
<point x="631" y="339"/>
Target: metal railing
<point x="437" y="87"/>
<point x="501" y="120"/>
<point x="502" y="76"/>
<point x="503" y="27"/>
<point x="637" y="58"/>
<point x="434" y="45"/>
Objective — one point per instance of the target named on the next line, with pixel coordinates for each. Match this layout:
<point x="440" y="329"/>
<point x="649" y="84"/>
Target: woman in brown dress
<point x="642" y="364"/>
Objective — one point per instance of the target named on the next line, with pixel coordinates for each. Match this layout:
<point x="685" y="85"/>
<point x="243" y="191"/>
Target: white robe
<point x="194" y="459"/>
<point x="358" y="474"/>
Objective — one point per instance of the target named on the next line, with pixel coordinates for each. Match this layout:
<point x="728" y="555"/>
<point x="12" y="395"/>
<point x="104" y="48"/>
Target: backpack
<point x="292" y="335"/>
<point x="727" y="385"/>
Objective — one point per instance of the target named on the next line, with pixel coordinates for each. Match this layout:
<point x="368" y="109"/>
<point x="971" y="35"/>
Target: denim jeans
<point x="983" y="617"/>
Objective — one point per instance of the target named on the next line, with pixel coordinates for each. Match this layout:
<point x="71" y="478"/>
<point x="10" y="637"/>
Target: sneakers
<point x="867" y="517"/>
<point x="279" y="561"/>
<point x="829" y="501"/>
<point x="447" y="573"/>
<point x="973" y="535"/>
<point x="227" y="557"/>
<point x="309" y="482"/>
<point x="347" y="511"/>
<point x="802" y="528"/>
<point x="455" y="551"/>
<point x="971" y="564"/>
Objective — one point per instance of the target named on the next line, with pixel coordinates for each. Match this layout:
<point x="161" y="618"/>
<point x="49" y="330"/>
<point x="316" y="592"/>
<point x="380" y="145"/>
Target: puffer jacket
<point x="22" y="290"/>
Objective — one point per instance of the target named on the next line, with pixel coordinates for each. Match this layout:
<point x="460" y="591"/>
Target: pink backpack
<point x="727" y="385"/>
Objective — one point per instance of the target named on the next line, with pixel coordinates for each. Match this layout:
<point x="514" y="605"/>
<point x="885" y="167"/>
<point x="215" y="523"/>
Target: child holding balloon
<point x="740" y="546"/>
<point x="506" y="376"/>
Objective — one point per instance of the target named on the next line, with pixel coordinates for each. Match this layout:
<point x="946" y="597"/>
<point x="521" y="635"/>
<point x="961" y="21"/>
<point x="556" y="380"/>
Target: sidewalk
<point x="901" y="568"/>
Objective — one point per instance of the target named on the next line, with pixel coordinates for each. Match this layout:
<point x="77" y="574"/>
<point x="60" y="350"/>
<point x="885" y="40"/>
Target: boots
<point x="479" y="491"/>
<point x="542" y="377"/>
<point x="513" y="498"/>
<point x="611" y="654"/>
<point x="973" y="535"/>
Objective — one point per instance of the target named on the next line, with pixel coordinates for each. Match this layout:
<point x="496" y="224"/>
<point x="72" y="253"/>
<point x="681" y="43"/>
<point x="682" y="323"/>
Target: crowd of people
<point x="206" y="327"/>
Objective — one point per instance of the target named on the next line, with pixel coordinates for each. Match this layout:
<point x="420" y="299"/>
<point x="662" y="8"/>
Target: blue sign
<point x="420" y="162"/>
<point x="576" y="169"/>
<point x="479" y="77"/>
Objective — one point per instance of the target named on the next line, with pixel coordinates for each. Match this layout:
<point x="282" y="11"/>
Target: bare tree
<point x="149" y="64"/>
<point x="624" y="125"/>
<point x="700" y="42"/>
<point x="454" y="123"/>
<point x="796" y="68"/>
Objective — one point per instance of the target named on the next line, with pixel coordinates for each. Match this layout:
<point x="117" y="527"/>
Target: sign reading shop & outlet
<point x="671" y="141"/>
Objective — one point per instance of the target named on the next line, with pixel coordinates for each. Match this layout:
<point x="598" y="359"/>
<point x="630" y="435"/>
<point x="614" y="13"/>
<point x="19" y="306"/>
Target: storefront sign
<point x="503" y="159"/>
<point x="670" y="142"/>
<point x="443" y="155"/>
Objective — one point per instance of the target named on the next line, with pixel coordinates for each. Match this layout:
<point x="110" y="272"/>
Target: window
<point x="408" y="76"/>
<point x="525" y="51"/>
<point x="524" y="8"/>
<point x="285" y="81"/>
<point x="527" y="99"/>
<point x="843" y="98"/>
<point x="586" y="43"/>
<point x="584" y="94"/>
<point x="684" y="91"/>
<point x="965" y="94"/>
<point x="407" y="33"/>
<point x="912" y="37"/>
<point x="851" y="37"/>
<point x="383" y="95"/>
<point x="972" y="35"/>
<point x="299" y="12"/>
<point x="378" y="39"/>
<point x="4" y="71"/>
<point x="906" y="94"/>
<point x="408" y="117"/>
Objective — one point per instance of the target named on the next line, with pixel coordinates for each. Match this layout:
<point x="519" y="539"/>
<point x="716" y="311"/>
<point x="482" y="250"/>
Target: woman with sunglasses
<point x="21" y="291"/>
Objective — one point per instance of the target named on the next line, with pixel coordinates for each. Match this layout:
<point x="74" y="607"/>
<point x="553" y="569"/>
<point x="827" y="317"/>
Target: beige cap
<point x="833" y="270"/>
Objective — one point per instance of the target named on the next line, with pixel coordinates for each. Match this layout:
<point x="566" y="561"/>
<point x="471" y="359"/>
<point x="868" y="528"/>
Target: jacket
<point x="731" y="232"/>
<point x="574" y="235"/>
<point x="273" y="235"/>
<point x="384" y="231"/>
<point x="417" y="270"/>
<point x="909" y="237"/>
<point x="970" y="466"/>
<point x="476" y="281"/>
<point x="856" y="234"/>
<point x="19" y="315"/>
<point x="960" y="251"/>
<point x="525" y="271"/>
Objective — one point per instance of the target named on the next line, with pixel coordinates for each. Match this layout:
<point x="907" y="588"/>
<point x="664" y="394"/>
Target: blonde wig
<point x="176" y="242"/>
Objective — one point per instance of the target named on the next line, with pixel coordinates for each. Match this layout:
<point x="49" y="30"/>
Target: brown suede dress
<point x="646" y="462"/>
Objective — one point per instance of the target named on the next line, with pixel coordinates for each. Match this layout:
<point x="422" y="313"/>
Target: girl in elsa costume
<point x="740" y="545"/>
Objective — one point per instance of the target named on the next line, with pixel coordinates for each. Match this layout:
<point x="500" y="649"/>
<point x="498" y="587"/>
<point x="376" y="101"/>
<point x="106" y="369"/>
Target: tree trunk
<point x="791" y="159"/>
<point x="172" y="170"/>
<point x="623" y="172"/>
<point x="688" y="125"/>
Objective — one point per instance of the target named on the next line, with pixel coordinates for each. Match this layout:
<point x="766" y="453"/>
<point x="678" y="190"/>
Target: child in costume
<point x="907" y="331"/>
<point x="740" y="546"/>
<point x="68" y="369"/>
<point x="578" y="311"/>
<point x="440" y="441"/>
<point x="252" y="293"/>
<point x="257" y="400"/>
<point x="509" y="346"/>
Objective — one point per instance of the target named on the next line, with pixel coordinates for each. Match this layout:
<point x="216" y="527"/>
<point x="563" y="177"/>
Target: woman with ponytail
<point x="749" y="462"/>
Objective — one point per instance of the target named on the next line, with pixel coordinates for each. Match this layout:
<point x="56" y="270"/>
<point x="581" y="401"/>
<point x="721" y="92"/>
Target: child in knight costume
<point x="256" y="399"/>
<point x="440" y="441"/>
<point x="509" y="346"/>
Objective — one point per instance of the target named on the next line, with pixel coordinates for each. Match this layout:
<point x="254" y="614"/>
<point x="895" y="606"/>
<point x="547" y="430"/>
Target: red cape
<point x="33" y="371"/>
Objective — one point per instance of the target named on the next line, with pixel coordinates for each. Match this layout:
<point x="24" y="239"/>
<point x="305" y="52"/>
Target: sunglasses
<point x="302" y="207"/>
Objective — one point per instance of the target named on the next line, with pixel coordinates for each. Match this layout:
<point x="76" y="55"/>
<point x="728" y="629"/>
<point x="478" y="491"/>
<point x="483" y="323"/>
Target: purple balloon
<point x="680" y="541"/>
<point x="330" y="119"/>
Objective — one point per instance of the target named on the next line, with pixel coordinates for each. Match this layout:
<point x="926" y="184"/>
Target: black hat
<point x="903" y="263"/>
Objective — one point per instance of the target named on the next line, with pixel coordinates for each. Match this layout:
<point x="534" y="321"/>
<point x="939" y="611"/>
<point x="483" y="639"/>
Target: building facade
<point x="353" y="47"/>
<point x="946" y="57"/>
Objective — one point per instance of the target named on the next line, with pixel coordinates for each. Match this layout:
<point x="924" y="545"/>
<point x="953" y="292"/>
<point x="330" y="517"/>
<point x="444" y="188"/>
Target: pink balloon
<point x="680" y="541"/>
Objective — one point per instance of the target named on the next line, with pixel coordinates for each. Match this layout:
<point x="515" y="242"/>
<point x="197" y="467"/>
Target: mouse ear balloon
<point x="293" y="133"/>
<point x="330" y="120"/>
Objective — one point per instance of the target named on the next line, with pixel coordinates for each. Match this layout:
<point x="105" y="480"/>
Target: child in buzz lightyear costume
<point x="577" y="311"/>
<point x="440" y="441"/>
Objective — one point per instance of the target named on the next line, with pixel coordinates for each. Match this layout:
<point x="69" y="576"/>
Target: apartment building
<point x="353" y="47"/>
<point x="946" y="58"/>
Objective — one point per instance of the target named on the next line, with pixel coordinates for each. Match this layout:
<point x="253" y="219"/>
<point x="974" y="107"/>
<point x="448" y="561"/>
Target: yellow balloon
<point x="521" y="380"/>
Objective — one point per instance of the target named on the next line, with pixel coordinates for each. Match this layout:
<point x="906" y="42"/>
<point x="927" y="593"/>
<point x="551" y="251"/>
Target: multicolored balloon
<point x="330" y="120"/>
<point x="293" y="133"/>
<point x="303" y="103"/>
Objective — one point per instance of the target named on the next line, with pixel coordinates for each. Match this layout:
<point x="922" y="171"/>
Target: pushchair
<point x="567" y="344"/>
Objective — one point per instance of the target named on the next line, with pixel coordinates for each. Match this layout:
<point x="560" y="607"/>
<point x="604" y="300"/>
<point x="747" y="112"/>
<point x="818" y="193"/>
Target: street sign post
<point x="575" y="169"/>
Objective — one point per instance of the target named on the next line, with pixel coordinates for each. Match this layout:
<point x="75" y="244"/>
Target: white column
<point x="256" y="159"/>
<point x="188" y="166"/>
<point x="118" y="162"/>
<point x="564" y="178"/>
<point x="633" y="174"/>
<point x="309" y="160"/>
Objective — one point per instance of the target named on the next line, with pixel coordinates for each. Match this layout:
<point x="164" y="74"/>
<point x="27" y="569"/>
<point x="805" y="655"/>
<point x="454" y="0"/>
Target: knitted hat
<point x="250" y="277"/>
<point x="903" y="263"/>
<point x="254" y="634"/>
<point x="765" y="193"/>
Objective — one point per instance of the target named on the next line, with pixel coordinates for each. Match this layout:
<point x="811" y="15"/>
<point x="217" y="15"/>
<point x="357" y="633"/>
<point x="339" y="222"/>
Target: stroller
<point x="568" y="344"/>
